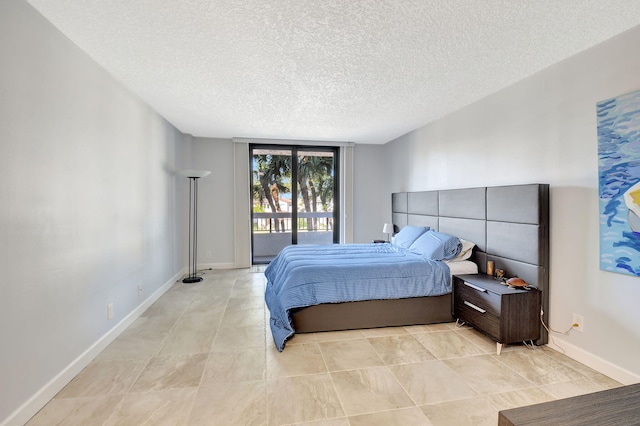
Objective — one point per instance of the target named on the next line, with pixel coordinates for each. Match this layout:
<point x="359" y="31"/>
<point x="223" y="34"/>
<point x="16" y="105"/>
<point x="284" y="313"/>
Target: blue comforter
<point x="302" y="276"/>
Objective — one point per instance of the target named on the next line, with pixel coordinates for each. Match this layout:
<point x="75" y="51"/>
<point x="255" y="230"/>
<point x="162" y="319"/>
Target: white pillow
<point x="466" y="252"/>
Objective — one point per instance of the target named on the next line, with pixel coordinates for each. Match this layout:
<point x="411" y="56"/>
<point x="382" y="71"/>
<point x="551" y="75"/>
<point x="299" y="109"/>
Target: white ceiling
<point x="365" y="71"/>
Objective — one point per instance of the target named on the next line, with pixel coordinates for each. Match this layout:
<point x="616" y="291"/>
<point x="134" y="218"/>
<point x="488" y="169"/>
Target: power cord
<point x="529" y="345"/>
<point x="549" y="330"/>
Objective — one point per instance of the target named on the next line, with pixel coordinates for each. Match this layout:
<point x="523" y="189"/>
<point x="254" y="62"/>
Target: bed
<point x="508" y="224"/>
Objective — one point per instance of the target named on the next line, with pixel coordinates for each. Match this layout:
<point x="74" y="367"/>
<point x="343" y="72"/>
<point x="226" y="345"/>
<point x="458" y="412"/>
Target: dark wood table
<point x="619" y="406"/>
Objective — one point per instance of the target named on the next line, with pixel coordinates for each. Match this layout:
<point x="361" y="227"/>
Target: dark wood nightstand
<point x="507" y="315"/>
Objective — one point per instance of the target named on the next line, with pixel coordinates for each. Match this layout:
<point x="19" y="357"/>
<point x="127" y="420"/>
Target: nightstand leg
<point x="498" y="347"/>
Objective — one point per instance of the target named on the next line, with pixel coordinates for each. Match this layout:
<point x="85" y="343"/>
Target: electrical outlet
<point x="139" y="289"/>
<point x="578" y="323"/>
<point x="109" y="311"/>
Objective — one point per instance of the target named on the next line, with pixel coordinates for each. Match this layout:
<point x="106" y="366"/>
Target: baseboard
<point x="603" y="366"/>
<point x="27" y="410"/>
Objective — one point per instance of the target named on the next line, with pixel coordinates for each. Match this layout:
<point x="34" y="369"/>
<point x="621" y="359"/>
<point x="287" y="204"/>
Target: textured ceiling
<point x="347" y="70"/>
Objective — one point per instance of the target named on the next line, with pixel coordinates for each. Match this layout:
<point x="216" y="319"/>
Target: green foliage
<point x="315" y="180"/>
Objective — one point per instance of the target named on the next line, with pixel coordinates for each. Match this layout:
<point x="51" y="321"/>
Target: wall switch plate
<point x="578" y="323"/>
<point x="109" y="311"/>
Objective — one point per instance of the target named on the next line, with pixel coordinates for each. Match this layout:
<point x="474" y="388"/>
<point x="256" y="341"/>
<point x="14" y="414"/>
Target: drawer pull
<point x="472" y="306"/>
<point x="475" y="287"/>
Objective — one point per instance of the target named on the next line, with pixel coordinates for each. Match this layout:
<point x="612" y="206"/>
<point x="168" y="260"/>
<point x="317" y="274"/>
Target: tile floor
<point x="203" y="355"/>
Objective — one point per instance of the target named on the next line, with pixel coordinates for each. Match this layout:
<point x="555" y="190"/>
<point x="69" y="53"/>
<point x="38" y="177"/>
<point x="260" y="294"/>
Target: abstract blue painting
<point x="619" y="183"/>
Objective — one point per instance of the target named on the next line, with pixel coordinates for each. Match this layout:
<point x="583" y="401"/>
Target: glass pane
<point x="315" y="196"/>
<point x="271" y="187"/>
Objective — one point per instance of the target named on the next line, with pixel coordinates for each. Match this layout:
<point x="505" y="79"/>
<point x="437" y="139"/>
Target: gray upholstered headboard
<point x="509" y="224"/>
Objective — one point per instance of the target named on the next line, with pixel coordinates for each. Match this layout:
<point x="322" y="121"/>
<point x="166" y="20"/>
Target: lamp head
<point x="194" y="174"/>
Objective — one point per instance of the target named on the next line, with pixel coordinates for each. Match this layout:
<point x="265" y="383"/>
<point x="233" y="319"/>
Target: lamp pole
<point x="193" y="176"/>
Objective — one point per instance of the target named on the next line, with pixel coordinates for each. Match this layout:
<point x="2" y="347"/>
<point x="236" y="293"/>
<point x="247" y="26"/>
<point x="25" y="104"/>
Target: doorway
<point x="294" y="198"/>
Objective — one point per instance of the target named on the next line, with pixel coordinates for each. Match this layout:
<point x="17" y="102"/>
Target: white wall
<point x="88" y="207"/>
<point x="371" y="195"/>
<point x="543" y="130"/>
<point x="215" y="202"/>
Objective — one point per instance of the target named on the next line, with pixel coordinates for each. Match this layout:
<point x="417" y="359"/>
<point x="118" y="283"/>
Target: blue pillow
<point x="436" y="245"/>
<point x="408" y="235"/>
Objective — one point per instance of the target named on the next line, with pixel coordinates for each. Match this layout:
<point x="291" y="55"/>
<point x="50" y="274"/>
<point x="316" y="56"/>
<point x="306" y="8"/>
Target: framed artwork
<point x="619" y="183"/>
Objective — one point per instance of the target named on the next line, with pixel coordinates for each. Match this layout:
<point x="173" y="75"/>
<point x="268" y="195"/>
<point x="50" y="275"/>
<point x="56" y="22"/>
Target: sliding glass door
<point x="294" y="198"/>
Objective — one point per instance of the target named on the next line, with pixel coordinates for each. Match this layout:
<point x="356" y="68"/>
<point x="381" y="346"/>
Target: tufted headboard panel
<point x="508" y="224"/>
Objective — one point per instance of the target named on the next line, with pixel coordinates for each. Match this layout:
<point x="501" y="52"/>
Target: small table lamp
<point x="388" y="229"/>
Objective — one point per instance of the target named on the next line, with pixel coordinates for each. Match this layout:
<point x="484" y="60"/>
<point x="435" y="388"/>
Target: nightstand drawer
<point x="478" y="297"/>
<point x="474" y="315"/>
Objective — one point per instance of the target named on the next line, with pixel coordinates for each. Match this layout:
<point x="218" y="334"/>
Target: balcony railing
<point x="272" y="232"/>
<point x="281" y="222"/>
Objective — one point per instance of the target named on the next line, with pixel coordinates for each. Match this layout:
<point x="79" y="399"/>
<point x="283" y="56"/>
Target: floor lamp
<point x="193" y="176"/>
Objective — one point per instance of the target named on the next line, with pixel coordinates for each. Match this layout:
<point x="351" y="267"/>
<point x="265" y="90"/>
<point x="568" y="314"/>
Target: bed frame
<point x="510" y="226"/>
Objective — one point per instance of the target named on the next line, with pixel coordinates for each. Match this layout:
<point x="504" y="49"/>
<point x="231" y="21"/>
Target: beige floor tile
<point x="538" y="368"/>
<point x="171" y="303"/>
<point x="170" y="372"/>
<point x="297" y="339"/>
<point x="430" y="328"/>
<point x="302" y="399"/>
<point x="103" y="378"/>
<point x="330" y="336"/>
<point x="369" y="390"/>
<point x="245" y="303"/>
<point x="574" y="388"/>
<point x="76" y="411"/>
<point x="329" y="422"/>
<point x="447" y="344"/>
<point x="215" y="289"/>
<point x="239" y="338"/>
<point x="202" y="305"/>
<point x="239" y="365"/>
<point x="518" y="398"/>
<point x="247" y="289"/>
<point x="192" y="334"/>
<point x="251" y="280"/>
<point x="215" y="296"/>
<point x="431" y="382"/>
<point x="382" y="332"/>
<point x="158" y="408"/>
<point x="407" y="416"/>
<point x="349" y="354"/>
<point x="486" y="375"/>
<point x="606" y="382"/>
<point x="400" y="349"/>
<point x="295" y="360"/>
<point x="231" y="404"/>
<point x="133" y="345"/>
<point x="243" y="318"/>
<point x="467" y="412"/>
<point x="181" y="291"/>
<point x="160" y="324"/>
<point x="485" y="344"/>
